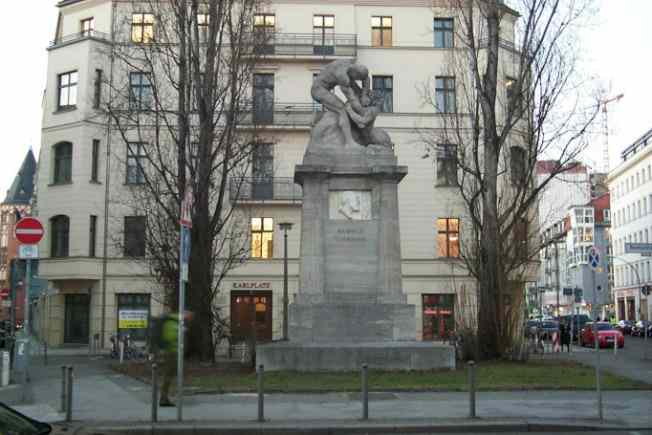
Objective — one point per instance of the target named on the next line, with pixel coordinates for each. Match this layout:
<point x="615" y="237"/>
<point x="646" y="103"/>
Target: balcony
<point x="88" y="34"/>
<point x="294" y="115"/>
<point x="307" y="45"/>
<point x="257" y="189"/>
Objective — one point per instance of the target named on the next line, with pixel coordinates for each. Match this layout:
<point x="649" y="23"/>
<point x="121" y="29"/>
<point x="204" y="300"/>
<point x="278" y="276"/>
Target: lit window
<point x="203" y="20"/>
<point x="142" y="28"/>
<point x="264" y="26"/>
<point x="262" y="236"/>
<point x="448" y="237"/>
<point x="67" y="94"/>
<point x="381" y="31"/>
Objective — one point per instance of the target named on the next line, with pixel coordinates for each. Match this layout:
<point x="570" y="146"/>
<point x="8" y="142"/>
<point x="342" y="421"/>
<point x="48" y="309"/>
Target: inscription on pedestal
<point x="352" y="205"/>
<point x="352" y="256"/>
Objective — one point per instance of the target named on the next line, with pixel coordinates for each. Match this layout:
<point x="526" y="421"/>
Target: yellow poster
<point x="132" y="319"/>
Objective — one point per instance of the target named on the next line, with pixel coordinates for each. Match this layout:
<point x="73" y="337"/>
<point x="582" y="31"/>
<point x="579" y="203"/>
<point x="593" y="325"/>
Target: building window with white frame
<point x="443" y="28"/>
<point x="323" y="34"/>
<point x="134" y="236"/>
<point x="87" y="26"/>
<point x="446" y="165"/>
<point x="203" y="22"/>
<point x="140" y="94"/>
<point x="136" y="158"/>
<point x="67" y="90"/>
<point x="383" y="87"/>
<point x="62" y="163"/>
<point x="381" y="31"/>
<point x="445" y="95"/>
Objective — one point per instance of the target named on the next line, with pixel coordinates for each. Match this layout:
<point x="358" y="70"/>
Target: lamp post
<point x="285" y="227"/>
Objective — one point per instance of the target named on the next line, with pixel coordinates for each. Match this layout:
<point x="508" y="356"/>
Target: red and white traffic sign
<point x="29" y="231"/>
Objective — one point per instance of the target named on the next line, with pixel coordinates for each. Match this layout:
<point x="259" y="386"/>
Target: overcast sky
<point x="617" y="49"/>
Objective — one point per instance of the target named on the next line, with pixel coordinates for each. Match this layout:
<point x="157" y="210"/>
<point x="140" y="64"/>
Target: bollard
<point x="261" y="397"/>
<point x="472" y="389"/>
<point x="154" y="393"/>
<point x="63" y="388"/>
<point x="45" y="353"/>
<point x="616" y="346"/>
<point x="121" y="345"/>
<point x="365" y="392"/>
<point x="69" y="396"/>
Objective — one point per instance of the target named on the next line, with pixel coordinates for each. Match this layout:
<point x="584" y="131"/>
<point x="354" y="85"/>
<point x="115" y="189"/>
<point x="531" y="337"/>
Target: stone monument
<point x="350" y="308"/>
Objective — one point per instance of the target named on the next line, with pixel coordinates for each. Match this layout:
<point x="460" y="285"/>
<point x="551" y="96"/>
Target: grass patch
<point x="490" y="376"/>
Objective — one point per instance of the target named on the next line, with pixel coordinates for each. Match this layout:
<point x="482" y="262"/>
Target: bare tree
<point x="180" y="101"/>
<point x="517" y="103"/>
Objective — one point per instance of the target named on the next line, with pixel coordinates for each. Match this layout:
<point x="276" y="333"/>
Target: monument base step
<point x="393" y="355"/>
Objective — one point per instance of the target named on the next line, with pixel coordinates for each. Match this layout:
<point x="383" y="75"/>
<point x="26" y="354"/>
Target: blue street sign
<point x="185" y="251"/>
<point x="594" y="257"/>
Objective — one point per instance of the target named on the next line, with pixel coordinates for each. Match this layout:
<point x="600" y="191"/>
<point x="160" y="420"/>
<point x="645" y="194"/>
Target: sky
<point x="616" y="48"/>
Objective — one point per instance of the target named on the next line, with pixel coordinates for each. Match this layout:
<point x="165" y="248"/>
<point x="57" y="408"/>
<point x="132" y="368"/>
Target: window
<point x="262" y="170"/>
<point x="67" y="85"/>
<point x="134" y="236"/>
<point x="142" y="28"/>
<point x="59" y="233"/>
<point x="262" y="236"/>
<point x="92" y="236"/>
<point x="383" y="87"/>
<point x="136" y="156"/>
<point x="443" y="32"/>
<point x="140" y="95"/>
<point x="381" y="31"/>
<point x="263" y="98"/>
<point x="62" y="163"/>
<point x="97" y="89"/>
<point x="316" y="107"/>
<point x="264" y="27"/>
<point x="95" y="155"/>
<point x="323" y="34"/>
<point x="513" y="97"/>
<point x="445" y="94"/>
<point x="518" y="166"/>
<point x="87" y="26"/>
<point x="438" y="316"/>
<point x="203" y="21"/>
<point x="606" y="215"/>
<point x="448" y="237"/>
<point x="446" y="165"/>
<point x="521" y="240"/>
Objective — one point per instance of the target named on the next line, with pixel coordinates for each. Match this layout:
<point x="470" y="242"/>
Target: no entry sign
<point x="29" y="231"/>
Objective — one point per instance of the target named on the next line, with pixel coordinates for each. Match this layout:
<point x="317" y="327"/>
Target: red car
<point x="607" y="335"/>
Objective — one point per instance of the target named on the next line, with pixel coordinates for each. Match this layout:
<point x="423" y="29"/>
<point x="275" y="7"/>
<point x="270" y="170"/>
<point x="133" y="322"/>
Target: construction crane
<point x="605" y="120"/>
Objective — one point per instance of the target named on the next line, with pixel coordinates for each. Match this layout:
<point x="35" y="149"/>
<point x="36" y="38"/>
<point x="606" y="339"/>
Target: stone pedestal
<point x="350" y="308"/>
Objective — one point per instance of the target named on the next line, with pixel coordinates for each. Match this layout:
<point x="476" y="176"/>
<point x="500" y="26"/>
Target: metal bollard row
<point x="154" y="392"/>
<point x="261" y="394"/>
<point x="69" y="394"/>
<point x="365" y="392"/>
<point x="472" y="413"/>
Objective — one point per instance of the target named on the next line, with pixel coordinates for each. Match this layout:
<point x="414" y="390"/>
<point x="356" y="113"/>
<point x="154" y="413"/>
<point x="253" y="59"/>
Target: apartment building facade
<point x="96" y="289"/>
<point x="630" y="184"/>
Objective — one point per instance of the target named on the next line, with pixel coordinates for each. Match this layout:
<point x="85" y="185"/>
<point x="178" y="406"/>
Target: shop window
<point x="438" y="316"/>
<point x="133" y="315"/>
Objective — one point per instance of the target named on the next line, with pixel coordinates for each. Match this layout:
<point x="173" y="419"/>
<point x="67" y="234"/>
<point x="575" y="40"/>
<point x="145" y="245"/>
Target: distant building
<point x="15" y="205"/>
<point x="631" y="191"/>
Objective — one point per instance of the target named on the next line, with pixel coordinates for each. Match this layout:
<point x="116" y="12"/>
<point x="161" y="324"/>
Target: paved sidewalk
<point x="102" y="395"/>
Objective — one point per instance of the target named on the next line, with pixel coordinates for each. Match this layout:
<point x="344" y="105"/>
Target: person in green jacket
<point x="168" y="345"/>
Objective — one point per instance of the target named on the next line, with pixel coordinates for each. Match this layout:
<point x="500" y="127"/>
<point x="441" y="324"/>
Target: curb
<point x="330" y="427"/>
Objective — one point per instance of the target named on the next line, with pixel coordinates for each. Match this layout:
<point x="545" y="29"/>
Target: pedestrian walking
<point x="167" y="340"/>
<point x="564" y="331"/>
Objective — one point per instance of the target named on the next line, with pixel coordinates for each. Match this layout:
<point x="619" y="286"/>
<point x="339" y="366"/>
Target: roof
<point x="67" y="2"/>
<point x="550" y="166"/>
<point x="22" y="188"/>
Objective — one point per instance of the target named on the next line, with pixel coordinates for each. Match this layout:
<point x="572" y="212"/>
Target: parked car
<point x="607" y="335"/>
<point x="640" y="326"/>
<point x="625" y="326"/>
<point x="578" y="319"/>
<point x="13" y="422"/>
<point x="544" y="328"/>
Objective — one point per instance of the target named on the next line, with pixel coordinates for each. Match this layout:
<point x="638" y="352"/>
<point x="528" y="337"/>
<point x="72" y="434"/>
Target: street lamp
<point x="285" y="227"/>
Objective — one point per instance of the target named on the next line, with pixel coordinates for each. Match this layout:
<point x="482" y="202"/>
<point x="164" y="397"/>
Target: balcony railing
<point x="79" y="36"/>
<point x="306" y="44"/>
<point x="280" y="114"/>
<point x="264" y="189"/>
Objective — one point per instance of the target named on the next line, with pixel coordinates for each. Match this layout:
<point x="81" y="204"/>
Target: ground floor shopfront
<point x="632" y="305"/>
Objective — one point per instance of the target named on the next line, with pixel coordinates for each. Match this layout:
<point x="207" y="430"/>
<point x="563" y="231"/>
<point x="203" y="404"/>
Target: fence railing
<point x="282" y="114"/>
<point x="264" y="189"/>
<point x="306" y="44"/>
<point x="79" y="36"/>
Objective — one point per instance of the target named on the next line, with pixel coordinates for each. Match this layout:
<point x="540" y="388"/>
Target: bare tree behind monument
<point x="515" y="103"/>
<point x="180" y="105"/>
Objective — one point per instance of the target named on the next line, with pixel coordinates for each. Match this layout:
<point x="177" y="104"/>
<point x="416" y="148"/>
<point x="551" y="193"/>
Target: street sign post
<point x="594" y="262"/>
<point x="185" y="224"/>
<point x="29" y="232"/>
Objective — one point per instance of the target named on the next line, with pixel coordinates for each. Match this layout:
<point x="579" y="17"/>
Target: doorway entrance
<point x="251" y="311"/>
<point x="76" y="326"/>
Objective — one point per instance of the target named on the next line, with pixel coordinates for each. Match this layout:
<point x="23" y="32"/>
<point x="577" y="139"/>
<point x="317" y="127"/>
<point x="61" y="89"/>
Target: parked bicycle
<point x="130" y="350"/>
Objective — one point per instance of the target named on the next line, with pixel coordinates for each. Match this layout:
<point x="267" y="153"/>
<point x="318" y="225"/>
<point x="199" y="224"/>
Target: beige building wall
<point x="412" y="61"/>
